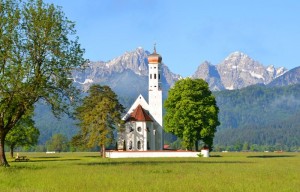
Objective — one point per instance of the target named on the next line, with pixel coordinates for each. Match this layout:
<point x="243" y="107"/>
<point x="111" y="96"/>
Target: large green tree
<point x="38" y="50"/>
<point x="99" y="115"/>
<point x="191" y="112"/>
<point x="23" y="134"/>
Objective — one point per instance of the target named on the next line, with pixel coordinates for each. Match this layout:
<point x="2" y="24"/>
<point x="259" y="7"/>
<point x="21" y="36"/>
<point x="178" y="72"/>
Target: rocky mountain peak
<point x="210" y="74"/>
<point x="280" y="71"/>
<point x="204" y="70"/>
<point x="236" y="56"/>
<point x="236" y="71"/>
<point x="239" y="59"/>
<point x="290" y="77"/>
<point x="135" y="60"/>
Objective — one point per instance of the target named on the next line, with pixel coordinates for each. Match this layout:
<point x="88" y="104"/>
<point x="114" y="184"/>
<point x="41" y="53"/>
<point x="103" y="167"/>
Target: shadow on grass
<point x="52" y="160"/>
<point x="92" y="156"/>
<point x="270" y="156"/>
<point x="28" y="164"/>
<point x="215" y="156"/>
<point x="135" y="162"/>
<point x="28" y="167"/>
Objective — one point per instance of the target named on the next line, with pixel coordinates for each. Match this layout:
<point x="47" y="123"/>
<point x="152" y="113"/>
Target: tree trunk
<point x="103" y="151"/>
<point x="197" y="145"/>
<point x="12" y="151"/>
<point x="3" y="161"/>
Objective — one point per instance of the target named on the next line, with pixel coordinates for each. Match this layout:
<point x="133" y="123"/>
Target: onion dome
<point x="154" y="57"/>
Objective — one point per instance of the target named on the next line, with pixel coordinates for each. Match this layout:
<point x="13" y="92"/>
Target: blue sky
<point x="189" y="32"/>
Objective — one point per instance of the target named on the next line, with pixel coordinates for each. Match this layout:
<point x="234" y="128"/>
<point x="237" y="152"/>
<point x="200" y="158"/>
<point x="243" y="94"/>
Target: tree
<point x="58" y="142"/>
<point x="246" y="146"/>
<point x="37" y="54"/>
<point x="99" y="115"/>
<point x="23" y="134"/>
<point x="191" y="112"/>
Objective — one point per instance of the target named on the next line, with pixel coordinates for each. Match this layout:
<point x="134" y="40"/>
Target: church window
<point x="124" y="145"/>
<point x="139" y="144"/>
<point x="130" y="145"/>
<point x="154" y="76"/>
<point x="150" y="76"/>
<point x="139" y="129"/>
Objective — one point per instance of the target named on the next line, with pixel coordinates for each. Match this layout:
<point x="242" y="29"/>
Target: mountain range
<point x="236" y="71"/>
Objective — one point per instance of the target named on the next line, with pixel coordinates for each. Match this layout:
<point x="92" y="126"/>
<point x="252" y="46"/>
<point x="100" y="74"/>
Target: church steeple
<point x="154" y="60"/>
<point x="155" y="95"/>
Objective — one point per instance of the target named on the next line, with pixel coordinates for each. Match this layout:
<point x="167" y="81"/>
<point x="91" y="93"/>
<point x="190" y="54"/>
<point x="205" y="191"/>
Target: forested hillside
<point x="259" y="115"/>
<point x="254" y="115"/>
<point x="49" y="125"/>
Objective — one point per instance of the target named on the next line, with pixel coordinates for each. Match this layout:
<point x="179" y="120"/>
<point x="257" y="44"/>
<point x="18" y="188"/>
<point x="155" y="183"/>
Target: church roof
<point x="139" y="114"/>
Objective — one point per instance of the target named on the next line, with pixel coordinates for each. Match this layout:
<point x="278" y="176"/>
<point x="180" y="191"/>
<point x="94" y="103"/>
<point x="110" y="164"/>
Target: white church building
<point x="143" y="121"/>
<point x="143" y="133"/>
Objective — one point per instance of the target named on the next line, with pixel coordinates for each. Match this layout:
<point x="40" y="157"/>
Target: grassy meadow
<point x="88" y="172"/>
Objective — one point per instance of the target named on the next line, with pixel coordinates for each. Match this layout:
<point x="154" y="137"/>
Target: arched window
<point x="139" y="144"/>
<point x="154" y="76"/>
<point x="158" y="76"/>
<point x="150" y="76"/>
<point x="124" y="145"/>
<point x="139" y="129"/>
<point x="130" y="145"/>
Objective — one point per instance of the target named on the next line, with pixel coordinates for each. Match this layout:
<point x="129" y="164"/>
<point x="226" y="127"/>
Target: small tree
<point x="191" y="112"/>
<point x="58" y="142"/>
<point x="246" y="146"/>
<point x="23" y="134"/>
<point x="99" y="115"/>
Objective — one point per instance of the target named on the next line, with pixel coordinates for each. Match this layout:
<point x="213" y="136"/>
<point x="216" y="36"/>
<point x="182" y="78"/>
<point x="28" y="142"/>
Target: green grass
<point x="88" y="172"/>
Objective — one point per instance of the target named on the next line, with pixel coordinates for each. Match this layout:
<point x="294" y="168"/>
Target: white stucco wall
<point x="141" y="154"/>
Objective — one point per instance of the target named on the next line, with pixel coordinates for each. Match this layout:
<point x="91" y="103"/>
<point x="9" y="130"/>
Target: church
<point x="143" y="121"/>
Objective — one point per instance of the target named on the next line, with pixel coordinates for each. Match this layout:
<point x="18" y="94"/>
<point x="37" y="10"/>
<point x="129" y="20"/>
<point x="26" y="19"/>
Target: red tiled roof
<point x="139" y="114"/>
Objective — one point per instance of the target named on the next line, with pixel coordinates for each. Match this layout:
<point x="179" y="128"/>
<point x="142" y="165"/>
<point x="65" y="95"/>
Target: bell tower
<point x="155" y="96"/>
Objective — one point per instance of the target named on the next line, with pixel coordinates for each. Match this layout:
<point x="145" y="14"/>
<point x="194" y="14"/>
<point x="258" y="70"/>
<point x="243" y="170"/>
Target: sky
<point x="188" y="32"/>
